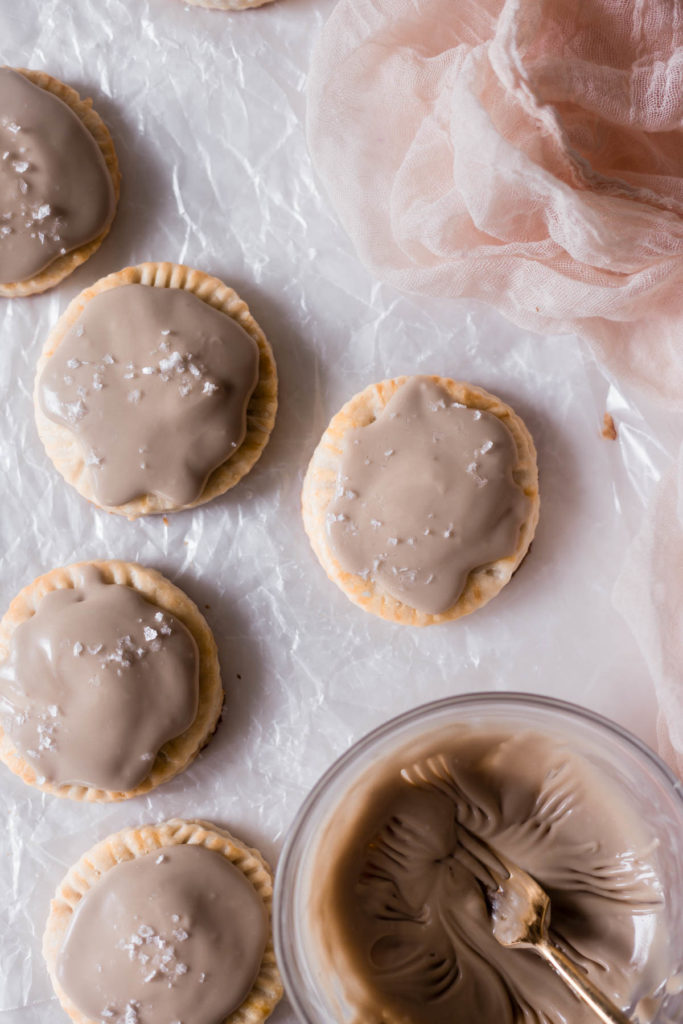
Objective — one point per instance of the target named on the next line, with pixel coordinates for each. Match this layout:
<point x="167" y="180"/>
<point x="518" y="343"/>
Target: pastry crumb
<point x="609" y="431"/>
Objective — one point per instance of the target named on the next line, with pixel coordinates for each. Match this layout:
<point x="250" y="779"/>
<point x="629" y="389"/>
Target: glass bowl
<point x="651" y="788"/>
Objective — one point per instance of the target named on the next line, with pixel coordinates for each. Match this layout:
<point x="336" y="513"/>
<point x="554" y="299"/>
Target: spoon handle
<point x="580" y="985"/>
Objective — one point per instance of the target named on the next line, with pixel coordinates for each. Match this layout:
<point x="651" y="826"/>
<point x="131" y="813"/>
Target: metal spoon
<point x="520" y="912"/>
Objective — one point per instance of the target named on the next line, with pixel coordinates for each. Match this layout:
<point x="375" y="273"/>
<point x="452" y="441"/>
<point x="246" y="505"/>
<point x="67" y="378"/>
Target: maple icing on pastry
<point x="175" y="936"/>
<point x="398" y="905"/>
<point x="56" y="193"/>
<point x="154" y="383"/>
<point x="95" y="683"/>
<point x="425" y="495"/>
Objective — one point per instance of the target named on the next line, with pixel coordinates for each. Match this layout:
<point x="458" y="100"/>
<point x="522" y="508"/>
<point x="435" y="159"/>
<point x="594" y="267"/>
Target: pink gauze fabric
<point x="524" y="152"/>
<point x="529" y="153"/>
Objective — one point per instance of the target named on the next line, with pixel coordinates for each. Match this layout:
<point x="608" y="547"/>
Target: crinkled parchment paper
<point x="206" y="110"/>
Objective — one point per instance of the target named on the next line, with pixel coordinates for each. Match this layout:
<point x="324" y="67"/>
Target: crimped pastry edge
<point x="130" y="843"/>
<point x="178" y="753"/>
<point x="62" y="266"/>
<point x="63" y="448"/>
<point x="320" y="481"/>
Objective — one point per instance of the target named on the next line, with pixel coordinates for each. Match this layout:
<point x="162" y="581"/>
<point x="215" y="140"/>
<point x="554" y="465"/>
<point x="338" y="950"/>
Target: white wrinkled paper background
<point x="206" y="110"/>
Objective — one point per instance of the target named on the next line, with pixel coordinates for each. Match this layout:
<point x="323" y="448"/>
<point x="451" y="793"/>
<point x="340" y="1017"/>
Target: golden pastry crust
<point x="320" y="484"/>
<point x="63" y="447"/>
<point x="62" y="266"/>
<point x="178" y="753"/>
<point x="228" y="5"/>
<point x="266" y="991"/>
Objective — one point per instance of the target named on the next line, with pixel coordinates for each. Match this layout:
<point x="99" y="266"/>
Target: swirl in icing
<point x="402" y="916"/>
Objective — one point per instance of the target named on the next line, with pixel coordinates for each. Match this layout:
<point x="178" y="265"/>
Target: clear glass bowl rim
<point x="517" y="699"/>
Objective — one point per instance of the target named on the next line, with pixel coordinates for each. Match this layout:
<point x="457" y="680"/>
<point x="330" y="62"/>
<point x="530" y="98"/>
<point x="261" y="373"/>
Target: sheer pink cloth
<point x="524" y="152"/>
<point x="528" y="153"/>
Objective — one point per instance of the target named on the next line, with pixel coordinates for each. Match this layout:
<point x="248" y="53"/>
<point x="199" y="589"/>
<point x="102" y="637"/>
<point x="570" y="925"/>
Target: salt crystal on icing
<point x="209" y="387"/>
<point x="20" y="166"/>
<point x="80" y="331"/>
<point x="43" y="211"/>
<point x="73" y="364"/>
<point x="147" y="370"/>
<point x="160" y="859"/>
<point x="159" y="616"/>
<point x="181" y="969"/>
<point x="180" y="935"/>
<point x="150" y="634"/>
<point x="23" y="187"/>
<point x="134" y="396"/>
<point x="78" y="648"/>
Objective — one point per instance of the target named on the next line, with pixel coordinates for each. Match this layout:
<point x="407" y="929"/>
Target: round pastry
<point x="165" y="924"/>
<point x="59" y="181"/>
<point x="421" y="498"/>
<point x="109" y="681"/>
<point x="156" y="390"/>
<point x="228" y="5"/>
